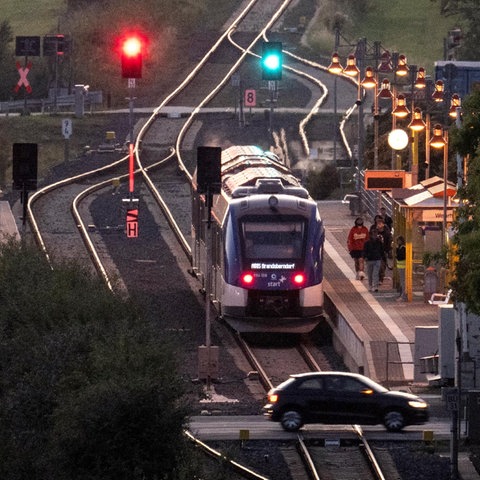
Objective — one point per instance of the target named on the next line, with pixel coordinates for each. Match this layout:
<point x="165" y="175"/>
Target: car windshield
<point x="285" y="384"/>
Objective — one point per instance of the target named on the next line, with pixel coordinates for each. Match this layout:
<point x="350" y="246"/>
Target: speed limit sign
<point x="250" y="98"/>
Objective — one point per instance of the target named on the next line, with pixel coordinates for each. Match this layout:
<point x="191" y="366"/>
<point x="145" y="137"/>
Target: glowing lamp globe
<point x="398" y="139"/>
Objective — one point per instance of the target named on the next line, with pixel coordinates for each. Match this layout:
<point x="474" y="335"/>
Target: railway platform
<point x="8" y="226"/>
<point x="375" y="333"/>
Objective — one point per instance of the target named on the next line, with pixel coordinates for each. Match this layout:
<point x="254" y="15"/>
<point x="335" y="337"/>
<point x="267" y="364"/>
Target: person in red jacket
<point x="357" y="237"/>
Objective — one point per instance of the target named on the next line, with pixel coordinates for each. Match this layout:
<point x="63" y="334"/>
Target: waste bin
<point x="430" y="283"/>
<point x="354" y="204"/>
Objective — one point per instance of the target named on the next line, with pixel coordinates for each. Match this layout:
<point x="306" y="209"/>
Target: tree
<point x="466" y="140"/>
<point x="468" y="12"/>
<point x="321" y="184"/>
<point x="87" y="389"/>
<point x="6" y="75"/>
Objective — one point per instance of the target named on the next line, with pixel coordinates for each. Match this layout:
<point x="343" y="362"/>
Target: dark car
<point x="340" y="397"/>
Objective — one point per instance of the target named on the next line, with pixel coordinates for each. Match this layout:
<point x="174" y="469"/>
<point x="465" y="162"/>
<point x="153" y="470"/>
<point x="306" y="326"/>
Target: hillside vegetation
<point x="414" y="28"/>
<point x="178" y="32"/>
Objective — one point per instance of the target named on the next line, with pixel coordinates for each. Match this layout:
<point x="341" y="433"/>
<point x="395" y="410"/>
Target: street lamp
<point x="401" y="110"/>
<point x="438" y="94"/>
<point x="335" y="66"/>
<point x="351" y="70"/>
<point x="455" y="104"/>
<point x="402" y="67"/>
<point x="416" y="125"/>
<point x="440" y="140"/>
<point x="370" y="81"/>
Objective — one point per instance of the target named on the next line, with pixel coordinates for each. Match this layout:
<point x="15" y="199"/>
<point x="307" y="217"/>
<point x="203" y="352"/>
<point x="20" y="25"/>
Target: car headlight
<point x="418" y="404"/>
<point x="273" y="398"/>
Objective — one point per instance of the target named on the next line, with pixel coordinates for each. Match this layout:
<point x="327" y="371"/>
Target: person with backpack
<point x="373" y="254"/>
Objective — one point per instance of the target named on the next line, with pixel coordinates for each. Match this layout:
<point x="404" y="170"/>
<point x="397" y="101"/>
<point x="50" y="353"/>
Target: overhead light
<point x="335" y="67"/>
<point x="437" y="140"/>
<point x="401" y="110"/>
<point x="351" y="69"/>
<point x="417" y="124"/>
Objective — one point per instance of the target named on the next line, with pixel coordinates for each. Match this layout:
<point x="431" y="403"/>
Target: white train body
<point x="266" y="246"/>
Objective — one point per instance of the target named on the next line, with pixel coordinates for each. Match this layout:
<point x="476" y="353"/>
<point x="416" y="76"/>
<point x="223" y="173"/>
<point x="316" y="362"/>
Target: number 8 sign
<point x="250" y="98"/>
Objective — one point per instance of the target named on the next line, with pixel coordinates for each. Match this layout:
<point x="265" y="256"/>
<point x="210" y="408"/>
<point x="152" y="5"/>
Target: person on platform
<point x="400" y="258"/>
<point x="387" y="218"/>
<point x="357" y="237"/>
<point x="373" y="254"/>
<point x="385" y="237"/>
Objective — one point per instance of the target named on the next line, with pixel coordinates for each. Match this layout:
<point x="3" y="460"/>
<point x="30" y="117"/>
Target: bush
<point x="323" y="183"/>
<point x="87" y="390"/>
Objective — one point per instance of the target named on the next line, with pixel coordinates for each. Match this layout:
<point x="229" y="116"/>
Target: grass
<point x="45" y="130"/>
<point x="33" y="17"/>
<point x="414" y="28"/>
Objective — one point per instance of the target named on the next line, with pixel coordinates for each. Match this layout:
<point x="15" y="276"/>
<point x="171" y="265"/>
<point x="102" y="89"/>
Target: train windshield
<point x="268" y="237"/>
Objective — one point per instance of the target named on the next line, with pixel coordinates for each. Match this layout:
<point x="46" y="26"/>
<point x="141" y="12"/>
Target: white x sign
<point x="23" y="72"/>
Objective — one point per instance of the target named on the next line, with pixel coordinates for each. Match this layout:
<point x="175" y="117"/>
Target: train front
<point x="273" y="264"/>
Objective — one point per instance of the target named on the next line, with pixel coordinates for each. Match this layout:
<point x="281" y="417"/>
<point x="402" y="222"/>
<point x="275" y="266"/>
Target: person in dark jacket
<point x="373" y="254"/>
<point x="387" y="218"/>
<point x="400" y="258"/>
<point x="385" y="237"/>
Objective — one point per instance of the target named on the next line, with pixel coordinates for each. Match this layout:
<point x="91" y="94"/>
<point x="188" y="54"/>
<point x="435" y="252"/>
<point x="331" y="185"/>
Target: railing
<point x="44" y="105"/>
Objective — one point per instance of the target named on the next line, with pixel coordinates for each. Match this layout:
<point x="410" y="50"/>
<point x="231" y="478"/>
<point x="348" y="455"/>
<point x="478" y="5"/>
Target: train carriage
<point x="266" y="245"/>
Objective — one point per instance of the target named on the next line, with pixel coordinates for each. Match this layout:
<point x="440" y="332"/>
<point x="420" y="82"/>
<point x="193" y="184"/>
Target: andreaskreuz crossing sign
<point x="23" y="72"/>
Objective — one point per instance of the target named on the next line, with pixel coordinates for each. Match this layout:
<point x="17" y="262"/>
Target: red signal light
<point x="132" y="46"/>
<point x="299" y="279"/>
<point x="248" y="278"/>
<point x="132" y="57"/>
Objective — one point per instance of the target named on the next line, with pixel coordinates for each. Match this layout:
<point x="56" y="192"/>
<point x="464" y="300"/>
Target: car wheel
<point x="394" y="421"/>
<point x="291" y="420"/>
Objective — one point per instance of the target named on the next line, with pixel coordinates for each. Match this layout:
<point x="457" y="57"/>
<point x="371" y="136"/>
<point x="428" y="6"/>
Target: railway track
<point x="330" y="460"/>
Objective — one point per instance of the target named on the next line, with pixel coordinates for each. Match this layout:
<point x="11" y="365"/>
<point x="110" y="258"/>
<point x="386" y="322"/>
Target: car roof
<point x="326" y="373"/>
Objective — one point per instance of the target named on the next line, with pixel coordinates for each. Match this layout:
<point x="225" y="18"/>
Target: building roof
<point x="426" y="194"/>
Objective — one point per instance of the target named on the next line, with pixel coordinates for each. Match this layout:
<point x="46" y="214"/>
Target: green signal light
<point x="272" y="61"/>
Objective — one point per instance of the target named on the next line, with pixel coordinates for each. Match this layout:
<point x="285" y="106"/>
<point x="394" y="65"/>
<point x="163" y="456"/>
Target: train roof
<point x="248" y="169"/>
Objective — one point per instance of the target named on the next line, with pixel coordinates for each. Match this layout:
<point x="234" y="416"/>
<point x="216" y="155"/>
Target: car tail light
<point x="247" y="278"/>
<point x="273" y="398"/>
<point x="299" y="278"/>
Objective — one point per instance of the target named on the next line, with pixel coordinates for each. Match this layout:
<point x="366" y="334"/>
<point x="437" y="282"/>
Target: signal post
<point x="208" y="183"/>
<point x="272" y="65"/>
<point x="131" y="61"/>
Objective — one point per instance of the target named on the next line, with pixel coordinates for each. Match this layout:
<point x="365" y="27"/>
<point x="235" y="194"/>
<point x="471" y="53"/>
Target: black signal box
<point x="209" y="170"/>
<point x="25" y="159"/>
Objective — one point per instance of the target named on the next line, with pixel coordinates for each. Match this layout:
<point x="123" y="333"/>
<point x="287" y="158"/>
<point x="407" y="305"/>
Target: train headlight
<point x="299" y="278"/>
<point x="247" y="278"/>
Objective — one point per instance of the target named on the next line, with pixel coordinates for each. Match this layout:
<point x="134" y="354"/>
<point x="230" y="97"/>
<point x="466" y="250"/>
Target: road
<point x="213" y="427"/>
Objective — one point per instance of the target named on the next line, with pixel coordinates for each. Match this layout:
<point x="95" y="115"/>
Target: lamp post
<point x="416" y="125"/>
<point x="370" y="81"/>
<point x="455" y="112"/>
<point x="440" y="140"/>
<point x="397" y="65"/>
<point x="351" y="70"/>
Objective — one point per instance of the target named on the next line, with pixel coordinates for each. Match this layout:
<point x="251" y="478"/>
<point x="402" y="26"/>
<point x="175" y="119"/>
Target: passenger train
<point x="266" y="245"/>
